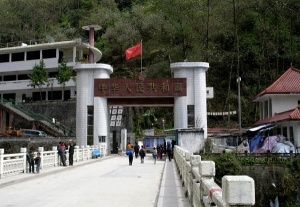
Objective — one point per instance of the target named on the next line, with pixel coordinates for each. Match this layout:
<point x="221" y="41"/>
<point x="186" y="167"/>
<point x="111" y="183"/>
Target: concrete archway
<point x="186" y="91"/>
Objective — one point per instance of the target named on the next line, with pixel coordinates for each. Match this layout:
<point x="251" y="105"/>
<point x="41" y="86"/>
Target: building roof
<point x="293" y="114"/>
<point x="287" y="83"/>
<point x="52" y="45"/>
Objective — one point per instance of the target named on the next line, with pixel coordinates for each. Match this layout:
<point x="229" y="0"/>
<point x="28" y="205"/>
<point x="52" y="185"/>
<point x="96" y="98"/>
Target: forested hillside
<point x="254" y="39"/>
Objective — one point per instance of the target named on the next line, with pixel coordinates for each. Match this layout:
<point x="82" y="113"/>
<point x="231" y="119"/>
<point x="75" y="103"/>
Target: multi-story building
<point x="18" y="61"/>
<point x="280" y="104"/>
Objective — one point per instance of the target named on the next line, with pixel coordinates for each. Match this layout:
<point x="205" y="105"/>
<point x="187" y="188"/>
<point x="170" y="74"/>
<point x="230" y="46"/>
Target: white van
<point x="33" y="133"/>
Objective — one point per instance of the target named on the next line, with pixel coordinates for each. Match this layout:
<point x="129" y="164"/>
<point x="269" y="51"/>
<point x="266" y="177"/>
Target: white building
<point x="17" y="62"/>
<point x="280" y="104"/>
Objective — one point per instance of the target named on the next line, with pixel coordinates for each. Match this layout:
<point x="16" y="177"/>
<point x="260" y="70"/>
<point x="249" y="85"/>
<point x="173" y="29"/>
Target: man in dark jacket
<point x="71" y="152"/>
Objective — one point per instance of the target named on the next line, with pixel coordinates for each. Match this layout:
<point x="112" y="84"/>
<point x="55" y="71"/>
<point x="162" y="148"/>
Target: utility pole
<point x="238" y="80"/>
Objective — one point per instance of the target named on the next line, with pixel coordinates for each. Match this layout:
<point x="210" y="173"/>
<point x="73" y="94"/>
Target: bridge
<point x="110" y="181"/>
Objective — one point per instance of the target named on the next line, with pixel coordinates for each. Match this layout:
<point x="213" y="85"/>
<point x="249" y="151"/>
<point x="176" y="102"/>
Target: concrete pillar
<point x="195" y="73"/>
<point x="24" y="150"/>
<point x="86" y="73"/>
<point x="238" y="190"/>
<point x="1" y="162"/>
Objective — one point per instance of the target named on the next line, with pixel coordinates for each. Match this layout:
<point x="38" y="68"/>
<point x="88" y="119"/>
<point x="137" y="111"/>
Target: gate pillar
<point x="191" y="111"/>
<point x="91" y="113"/>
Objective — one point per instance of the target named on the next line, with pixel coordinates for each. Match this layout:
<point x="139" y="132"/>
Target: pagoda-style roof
<point x="287" y="83"/>
<point x="290" y="115"/>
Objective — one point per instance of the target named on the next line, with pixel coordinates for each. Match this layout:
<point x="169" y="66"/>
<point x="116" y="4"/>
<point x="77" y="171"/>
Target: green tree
<point x="64" y="74"/>
<point x="39" y="76"/>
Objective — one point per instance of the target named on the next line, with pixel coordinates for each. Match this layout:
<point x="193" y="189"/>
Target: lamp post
<point x="238" y="80"/>
<point x="163" y="121"/>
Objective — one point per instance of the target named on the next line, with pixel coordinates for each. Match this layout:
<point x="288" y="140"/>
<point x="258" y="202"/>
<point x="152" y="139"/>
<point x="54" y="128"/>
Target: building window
<point x="20" y="56"/>
<point x="265" y="109"/>
<point x="49" y="53"/>
<point x="261" y="110"/>
<point x="90" y="125"/>
<point x="36" y="96"/>
<point x="9" y="78"/>
<point x="284" y="132"/>
<point x="270" y="108"/>
<point x="191" y="115"/>
<point x="4" y="58"/>
<point x="102" y="139"/>
<point x="291" y="132"/>
<point x="33" y="55"/>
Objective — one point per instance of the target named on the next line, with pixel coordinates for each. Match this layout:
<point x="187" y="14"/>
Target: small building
<point x="279" y="104"/>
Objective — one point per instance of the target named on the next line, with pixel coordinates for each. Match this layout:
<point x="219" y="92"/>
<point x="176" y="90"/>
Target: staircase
<point x="39" y="120"/>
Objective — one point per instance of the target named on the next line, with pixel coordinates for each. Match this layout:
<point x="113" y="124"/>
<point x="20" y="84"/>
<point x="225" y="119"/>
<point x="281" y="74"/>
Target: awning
<point x="261" y="127"/>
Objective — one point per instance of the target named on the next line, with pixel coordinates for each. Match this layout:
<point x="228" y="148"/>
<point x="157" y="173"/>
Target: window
<point x="23" y="77"/>
<point x="265" y="109"/>
<point x="9" y="78"/>
<point x="49" y="53"/>
<point x="4" y="58"/>
<point x="102" y="139"/>
<point x="291" y="132"/>
<point x="284" y="131"/>
<point x="270" y="107"/>
<point x="261" y="110"/>
<point x="33" y="55"/>
<point x="20" y="56"/>
<point x="90" y="124"/>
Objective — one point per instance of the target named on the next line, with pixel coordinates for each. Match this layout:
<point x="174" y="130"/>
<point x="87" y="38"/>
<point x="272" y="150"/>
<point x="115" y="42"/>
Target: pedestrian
<point x="129" y="152"/>
<point x="37" y="162"/>
<point x="62" y="153"/>
<point x="136" y="150"/>
<point x="142" y="154"/>
<point x="154" y="154"/>
<point x="169" y="150"/>
<point x="161" y="151"/>
<point x="158" y="151"/>
<point x="30" y="160"/>
<point x="71" y="152"/>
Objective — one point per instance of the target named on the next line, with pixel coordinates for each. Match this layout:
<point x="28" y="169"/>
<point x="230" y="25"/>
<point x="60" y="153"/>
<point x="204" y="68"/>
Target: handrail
<point x="13" y="164"/>
<point x="198" y="176"/>
<point x="37" y="116"/>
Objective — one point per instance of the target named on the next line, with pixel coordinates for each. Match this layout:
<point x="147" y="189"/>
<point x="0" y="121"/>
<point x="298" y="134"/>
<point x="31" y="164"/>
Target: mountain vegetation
<point x="256" y="40"/>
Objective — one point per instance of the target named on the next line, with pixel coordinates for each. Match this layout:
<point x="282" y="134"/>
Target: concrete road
<point x="108" y="182"/>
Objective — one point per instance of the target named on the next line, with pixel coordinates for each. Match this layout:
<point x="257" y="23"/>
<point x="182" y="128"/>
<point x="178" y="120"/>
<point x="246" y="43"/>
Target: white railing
<point x="202" y="191"/>
<point x="11" y="164"/>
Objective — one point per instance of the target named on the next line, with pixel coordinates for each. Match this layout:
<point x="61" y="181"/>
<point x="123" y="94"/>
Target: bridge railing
<point x="202" y="191"/>
<point x="12" y="164"/>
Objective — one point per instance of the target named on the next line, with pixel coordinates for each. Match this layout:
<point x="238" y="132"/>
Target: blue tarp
<point x="255" y="141"/>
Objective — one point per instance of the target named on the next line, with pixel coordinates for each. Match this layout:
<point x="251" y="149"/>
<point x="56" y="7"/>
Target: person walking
<point x="71" y="152"/>
<point x="136" y="150"/>
<point x="30" y="160"/>
<point x="129" y="152"/>
<point x="37" y="162"/>
<point x="154" y="154"/>
<point x="142" y="154"/>
<point x="62" y="153"/>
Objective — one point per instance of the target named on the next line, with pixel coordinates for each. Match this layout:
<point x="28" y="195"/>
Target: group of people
<point x="135" y="150"/>
<point x="61" y="148"/>
<point x="157" y="153"/>
<point x="33" y="160"/>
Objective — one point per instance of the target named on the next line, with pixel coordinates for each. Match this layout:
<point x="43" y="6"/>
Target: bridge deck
<point x="107" y="181"/>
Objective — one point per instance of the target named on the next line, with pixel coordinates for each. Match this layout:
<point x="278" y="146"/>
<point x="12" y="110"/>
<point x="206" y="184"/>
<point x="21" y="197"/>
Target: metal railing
<point x="39" y="117"/>
<point x="13" y="164"/>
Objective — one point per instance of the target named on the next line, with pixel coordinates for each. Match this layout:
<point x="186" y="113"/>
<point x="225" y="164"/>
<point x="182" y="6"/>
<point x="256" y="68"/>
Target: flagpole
<point x="141" y="55"/>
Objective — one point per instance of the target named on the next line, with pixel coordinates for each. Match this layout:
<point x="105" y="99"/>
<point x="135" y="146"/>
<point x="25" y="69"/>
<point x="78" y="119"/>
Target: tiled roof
<point x="293" y="114"/>
<point x="285" y="84"/>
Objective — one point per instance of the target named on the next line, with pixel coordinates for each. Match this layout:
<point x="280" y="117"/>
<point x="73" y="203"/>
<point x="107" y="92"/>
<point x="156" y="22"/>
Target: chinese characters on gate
<point x="122" y="87"/>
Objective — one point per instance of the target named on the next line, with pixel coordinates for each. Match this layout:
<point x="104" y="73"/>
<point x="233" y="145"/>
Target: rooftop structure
<point x="16" y="64"/>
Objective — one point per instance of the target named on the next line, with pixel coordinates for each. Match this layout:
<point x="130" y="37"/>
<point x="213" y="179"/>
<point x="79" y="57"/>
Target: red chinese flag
<point x="133" y="51"/>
